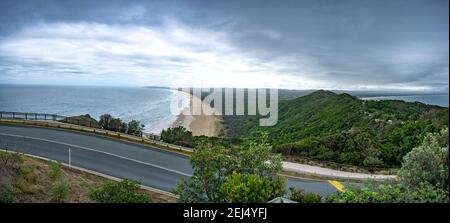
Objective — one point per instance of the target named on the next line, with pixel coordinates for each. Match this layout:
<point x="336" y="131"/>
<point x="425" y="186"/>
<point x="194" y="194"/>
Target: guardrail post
<point x="26" y="116"/>
<point x="35" y="116"/>
<point x="45" y="116"/>
<point x="14" y="115"/>
<point x="1" y="115"/>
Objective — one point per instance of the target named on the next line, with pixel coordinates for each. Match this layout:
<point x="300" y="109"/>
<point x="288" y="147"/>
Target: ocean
<point x="151" y="106"/>
<point x="431" y="99"/>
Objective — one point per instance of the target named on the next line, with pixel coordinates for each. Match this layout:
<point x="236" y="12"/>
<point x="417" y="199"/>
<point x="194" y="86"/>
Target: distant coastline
<point x="430" y="99"/>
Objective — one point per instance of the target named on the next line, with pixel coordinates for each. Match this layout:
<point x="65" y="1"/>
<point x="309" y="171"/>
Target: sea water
<point x="431" y="99"/>
<point x="150" y="106"/>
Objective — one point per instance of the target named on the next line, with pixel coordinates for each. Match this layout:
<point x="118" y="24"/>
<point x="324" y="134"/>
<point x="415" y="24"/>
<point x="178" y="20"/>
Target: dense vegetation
<point x="241" y="174"/>
<point x="343" y="129"/>
<point x="181" y="136"/>
<point x="125" y="191"/>
<point x="107" y="122"/>
<point x="424" y="177"/>
<point x="247" y="173"/>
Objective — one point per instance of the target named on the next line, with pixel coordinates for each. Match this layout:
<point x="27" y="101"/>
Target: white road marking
<point x="94" y="150"/>
<point x="96" y="173"/>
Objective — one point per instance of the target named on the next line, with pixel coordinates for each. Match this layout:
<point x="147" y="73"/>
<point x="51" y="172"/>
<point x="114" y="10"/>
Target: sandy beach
<point x="208" y="125"/>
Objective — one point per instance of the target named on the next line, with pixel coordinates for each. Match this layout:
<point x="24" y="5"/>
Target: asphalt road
<point x="154" y="167"/>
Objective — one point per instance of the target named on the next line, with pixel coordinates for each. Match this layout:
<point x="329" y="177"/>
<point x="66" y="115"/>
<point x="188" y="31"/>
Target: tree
<point x="251" y="188"/>
<point x="214" y="164"/>
<point x="105" y="120"/>
<point x="423" y="177"/>
<point x="178" y="135"/>
<point x="425" y="193"/>
<point x="211" y="165"/>
<point x="135" y="128"/>
<point x="428" y="162"/>
<point x="125" y="191"/>
<point x="108" y="122"/>
<point x="116" y="124"/>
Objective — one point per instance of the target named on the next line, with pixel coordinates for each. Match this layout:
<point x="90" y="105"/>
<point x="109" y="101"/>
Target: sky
<point x="303" y="44"/>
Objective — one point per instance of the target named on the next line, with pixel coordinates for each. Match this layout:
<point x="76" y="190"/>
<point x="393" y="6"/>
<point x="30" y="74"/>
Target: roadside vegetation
<point x="424" y="177"/>
<point x="181" y="136"/>
<point x="107" y="122"/>
<point x="125" y="191"/>
<point x="248" y="174"/>
<point x="29" y="180"/>
<point x="245" y="174"/>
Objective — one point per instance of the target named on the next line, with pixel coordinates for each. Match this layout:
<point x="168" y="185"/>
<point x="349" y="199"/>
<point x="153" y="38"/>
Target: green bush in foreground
<point x="125" y="191"/>
<point x="425" y="193"/>
<point x="6" y="194"/>
<point x="427" y="162"/>
<point x="215" y="165"/>
<point x="60" y="191"/>
<point x="250" y="188"/>
<point x="368" y="194"/>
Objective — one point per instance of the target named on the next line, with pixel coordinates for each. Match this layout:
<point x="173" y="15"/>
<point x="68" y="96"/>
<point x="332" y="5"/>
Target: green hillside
<point x="341" y="128"/>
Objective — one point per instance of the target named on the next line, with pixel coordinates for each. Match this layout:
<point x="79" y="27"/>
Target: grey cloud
<point x="350" y="42"/>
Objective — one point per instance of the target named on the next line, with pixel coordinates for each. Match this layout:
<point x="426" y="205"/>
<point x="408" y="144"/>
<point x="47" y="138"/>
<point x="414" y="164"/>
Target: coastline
<point x="208" y="125"/>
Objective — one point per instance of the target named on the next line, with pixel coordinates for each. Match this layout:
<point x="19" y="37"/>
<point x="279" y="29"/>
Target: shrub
<point x="368" y="194"/>
<point x="125" y="191"/>
<point x="55" y="170"/>
<point x="135" y="128"/>
<point x="250" y="188"/>
<point x="7" y="194"/>
<point x="10" y="167"/>
<point x="59" y="191"/>
<point x="427" y="162"/>
<point x="301" y="196"/>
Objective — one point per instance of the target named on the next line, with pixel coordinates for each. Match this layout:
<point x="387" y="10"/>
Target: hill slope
<point x="341" y="128"/>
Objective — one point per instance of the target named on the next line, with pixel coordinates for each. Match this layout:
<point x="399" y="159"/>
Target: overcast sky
<point x="350" y="45"/>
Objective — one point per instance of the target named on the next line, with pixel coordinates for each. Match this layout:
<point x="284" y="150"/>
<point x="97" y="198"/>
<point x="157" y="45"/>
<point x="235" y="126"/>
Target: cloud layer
<point x="303" y="45"/>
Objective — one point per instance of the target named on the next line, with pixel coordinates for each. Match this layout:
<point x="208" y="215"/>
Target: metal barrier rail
<point x="30" y="116"/>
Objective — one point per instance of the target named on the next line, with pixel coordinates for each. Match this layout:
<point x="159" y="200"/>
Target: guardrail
<point x="30" y="116"/>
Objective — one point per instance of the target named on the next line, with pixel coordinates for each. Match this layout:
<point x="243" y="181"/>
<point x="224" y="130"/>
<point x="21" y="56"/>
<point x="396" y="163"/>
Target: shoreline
<point x="207" y="125"/>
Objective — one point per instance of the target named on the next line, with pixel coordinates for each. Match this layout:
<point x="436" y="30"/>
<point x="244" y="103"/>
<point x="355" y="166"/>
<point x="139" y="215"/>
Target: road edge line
<point x="93" y="172"/>
<point x="98" y="151"/>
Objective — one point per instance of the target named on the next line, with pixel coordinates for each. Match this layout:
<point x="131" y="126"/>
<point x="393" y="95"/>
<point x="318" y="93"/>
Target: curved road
<point x="154" y="167"/>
